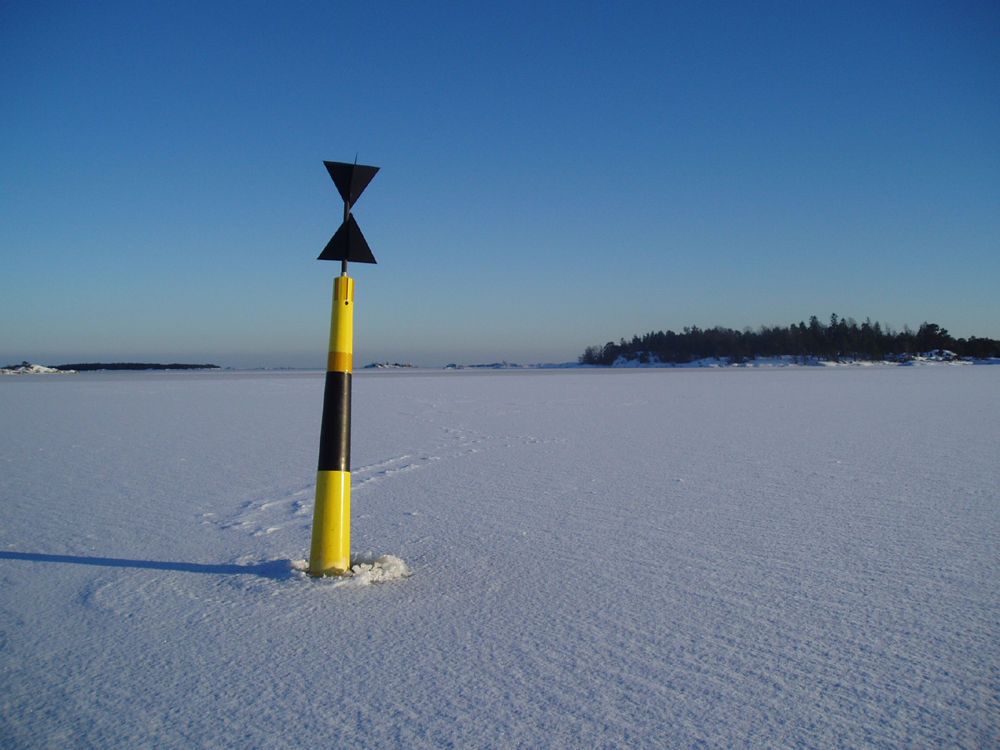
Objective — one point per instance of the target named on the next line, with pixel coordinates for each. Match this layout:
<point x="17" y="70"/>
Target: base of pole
<point x="341" y="574"/>
<point x="330" y="553"/>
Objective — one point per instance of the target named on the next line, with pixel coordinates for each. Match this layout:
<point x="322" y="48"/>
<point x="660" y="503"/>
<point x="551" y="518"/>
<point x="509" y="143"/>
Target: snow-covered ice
<point x="788" y="557"/>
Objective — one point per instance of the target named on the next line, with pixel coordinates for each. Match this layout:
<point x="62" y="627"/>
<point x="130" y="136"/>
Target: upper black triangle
<point x="348" y="244"/>
<point x="350" y="179"/>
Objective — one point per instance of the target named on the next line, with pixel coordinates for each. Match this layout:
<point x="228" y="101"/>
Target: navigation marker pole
<point x="330" y="552"/>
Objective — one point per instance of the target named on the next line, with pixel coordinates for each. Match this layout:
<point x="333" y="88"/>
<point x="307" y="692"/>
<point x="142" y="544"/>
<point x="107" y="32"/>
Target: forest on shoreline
<point x="842" y="339"/>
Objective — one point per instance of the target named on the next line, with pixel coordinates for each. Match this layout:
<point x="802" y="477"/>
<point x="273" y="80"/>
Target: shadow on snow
<point x="275" y="569"/>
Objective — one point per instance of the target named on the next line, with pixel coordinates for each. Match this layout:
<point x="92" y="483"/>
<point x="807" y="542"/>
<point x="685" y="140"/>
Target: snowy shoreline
<point x="705" y="363"/>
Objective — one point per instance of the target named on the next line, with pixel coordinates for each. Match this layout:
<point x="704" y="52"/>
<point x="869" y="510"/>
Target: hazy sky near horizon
<point x="553" y="175"/>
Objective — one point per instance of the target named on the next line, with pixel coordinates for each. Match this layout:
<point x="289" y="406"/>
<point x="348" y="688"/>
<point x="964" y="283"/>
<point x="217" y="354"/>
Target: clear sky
<point x="553" y="174"/>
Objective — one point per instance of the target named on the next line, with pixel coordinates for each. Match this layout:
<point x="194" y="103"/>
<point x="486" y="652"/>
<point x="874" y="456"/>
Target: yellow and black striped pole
<point x="330" y="551"/>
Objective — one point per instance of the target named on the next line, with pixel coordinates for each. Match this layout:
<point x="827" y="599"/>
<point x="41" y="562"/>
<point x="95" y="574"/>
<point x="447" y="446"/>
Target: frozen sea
<point x="795" y="557"/>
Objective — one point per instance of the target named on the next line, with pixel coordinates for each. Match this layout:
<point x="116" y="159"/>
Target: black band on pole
<point x="335" y="432"/>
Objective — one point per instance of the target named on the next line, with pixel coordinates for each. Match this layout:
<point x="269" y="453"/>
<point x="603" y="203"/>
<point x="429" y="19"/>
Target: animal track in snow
<point x="271" y="514"/>
<point x="458" y="442"/>
<point x="363" y="475"/>
<point x="260" y="517"/>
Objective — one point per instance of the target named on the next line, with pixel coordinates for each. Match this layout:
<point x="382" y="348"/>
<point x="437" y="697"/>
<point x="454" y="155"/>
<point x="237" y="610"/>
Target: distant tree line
<point x="841" y="339"/>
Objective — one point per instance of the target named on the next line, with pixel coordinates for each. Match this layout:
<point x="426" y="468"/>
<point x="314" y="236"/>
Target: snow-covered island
<point x="388" y="366"/>
<point x="26" y="368"/>
<point x="940" y="356"/>
<point x="651" y="361"/>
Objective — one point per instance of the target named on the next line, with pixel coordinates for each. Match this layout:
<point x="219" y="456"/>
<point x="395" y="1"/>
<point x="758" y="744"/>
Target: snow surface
<point x="793" y="557"/>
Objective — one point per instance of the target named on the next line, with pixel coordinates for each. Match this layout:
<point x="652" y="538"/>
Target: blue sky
<point x="553" y="175"/>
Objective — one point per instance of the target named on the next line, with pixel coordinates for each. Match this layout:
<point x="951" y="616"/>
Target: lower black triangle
<point x="348" y="244"/>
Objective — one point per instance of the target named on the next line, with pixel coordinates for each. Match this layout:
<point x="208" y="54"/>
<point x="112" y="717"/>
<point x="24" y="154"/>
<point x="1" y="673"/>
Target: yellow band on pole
<point x="339" y="362"/>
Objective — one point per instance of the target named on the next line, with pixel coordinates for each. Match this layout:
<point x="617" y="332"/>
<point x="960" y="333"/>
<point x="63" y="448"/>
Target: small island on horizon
<point x="91" y="366"/>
